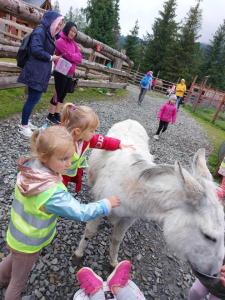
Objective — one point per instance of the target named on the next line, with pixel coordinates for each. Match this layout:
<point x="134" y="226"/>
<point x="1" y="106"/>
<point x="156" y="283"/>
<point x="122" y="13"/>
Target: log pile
<point x="93" y="74"/>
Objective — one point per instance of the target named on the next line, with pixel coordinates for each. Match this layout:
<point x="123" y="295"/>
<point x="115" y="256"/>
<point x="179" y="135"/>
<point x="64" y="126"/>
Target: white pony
<point x="185" y="203"/>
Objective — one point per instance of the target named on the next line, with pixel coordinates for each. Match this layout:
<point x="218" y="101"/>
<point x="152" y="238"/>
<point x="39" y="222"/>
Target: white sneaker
<point x="156" y="137"/>
<point x="25" y="130"/>
<point x="32" y="126"/>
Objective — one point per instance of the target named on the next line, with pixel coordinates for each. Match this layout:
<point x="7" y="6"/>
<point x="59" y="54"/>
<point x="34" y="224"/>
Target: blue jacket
<point x="63" y="204"/>
<point x="148" y="78"/>
<point x="37" y="70"/>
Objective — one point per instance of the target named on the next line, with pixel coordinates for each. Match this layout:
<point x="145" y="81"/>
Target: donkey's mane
<point x="138" y="160"/>
<point x="157" y="170"/>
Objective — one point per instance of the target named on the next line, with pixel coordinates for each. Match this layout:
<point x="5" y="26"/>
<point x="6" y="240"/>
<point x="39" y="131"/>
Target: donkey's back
<point x="114" y="172"/>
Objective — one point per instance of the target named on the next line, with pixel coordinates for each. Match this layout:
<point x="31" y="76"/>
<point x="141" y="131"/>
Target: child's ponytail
<point x="67" y="113"/>
<point x="81" y="117"/>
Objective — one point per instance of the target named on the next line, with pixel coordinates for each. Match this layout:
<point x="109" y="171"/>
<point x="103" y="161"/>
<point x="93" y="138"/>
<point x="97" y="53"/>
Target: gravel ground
<point x="157" y="271"/>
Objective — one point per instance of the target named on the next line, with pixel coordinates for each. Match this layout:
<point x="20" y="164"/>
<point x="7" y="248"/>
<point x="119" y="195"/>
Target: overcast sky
<point x="147" y="10"/>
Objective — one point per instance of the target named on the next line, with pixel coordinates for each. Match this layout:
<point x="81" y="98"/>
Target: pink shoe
<point x="120" y="276"/>
<point x="89" y="281"/>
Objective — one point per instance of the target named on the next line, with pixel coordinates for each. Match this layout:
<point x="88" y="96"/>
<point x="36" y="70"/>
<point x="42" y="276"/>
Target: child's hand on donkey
<point x="123" y="146"/>
<point x="114" y="201"/>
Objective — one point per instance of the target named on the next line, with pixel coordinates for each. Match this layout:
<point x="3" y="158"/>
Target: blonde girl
<point x="40" y="197"/>
<point x="82" y="122"/>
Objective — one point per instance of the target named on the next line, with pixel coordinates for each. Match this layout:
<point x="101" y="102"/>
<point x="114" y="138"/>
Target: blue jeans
<point x="32" y="99"/>
<point x="179" y="101"/>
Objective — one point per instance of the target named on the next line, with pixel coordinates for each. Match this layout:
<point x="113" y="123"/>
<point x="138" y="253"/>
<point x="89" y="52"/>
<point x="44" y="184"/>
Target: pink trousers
<point x="14" y="272"/>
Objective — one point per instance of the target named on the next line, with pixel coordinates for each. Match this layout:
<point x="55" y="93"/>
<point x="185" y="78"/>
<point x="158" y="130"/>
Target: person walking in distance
<point x="145" y="85"/>
<point x="180" y="90"/>
<point x="166" y="115"/>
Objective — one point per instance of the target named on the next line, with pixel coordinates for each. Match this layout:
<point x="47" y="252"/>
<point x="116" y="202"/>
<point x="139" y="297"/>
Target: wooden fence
<point x="92" y="72"/>
<point x="200" y="95"/>
<point x="161" y="85"/>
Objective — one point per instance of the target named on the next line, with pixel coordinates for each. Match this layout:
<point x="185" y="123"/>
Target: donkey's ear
<point x="199" y="166"/>
<point x="191" y="186"/>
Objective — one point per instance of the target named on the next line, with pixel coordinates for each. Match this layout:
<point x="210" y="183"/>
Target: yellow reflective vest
<point x="30" y="228"/>
<point x="77" y="161"/>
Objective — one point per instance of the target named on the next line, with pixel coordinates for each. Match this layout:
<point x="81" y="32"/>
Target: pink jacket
<point x="168" y="112"/>
<point x="69" y="50"/>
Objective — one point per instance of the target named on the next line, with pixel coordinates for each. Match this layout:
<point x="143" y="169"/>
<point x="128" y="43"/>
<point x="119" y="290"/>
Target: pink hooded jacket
<point x="168" y="112"/>
<point x="34" y="178"/>
<point x="69" y="50"/>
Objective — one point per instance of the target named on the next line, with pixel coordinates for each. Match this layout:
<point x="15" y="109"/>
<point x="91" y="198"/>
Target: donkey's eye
<point x="210" y="238"/>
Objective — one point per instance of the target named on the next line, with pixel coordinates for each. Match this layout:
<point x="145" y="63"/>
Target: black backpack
<point x="23" y="52"/>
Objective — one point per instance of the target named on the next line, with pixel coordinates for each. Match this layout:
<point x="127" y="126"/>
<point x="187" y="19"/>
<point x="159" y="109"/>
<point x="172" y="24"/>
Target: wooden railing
<point x="92" y="71"/>
<point x="200" y="95"/>
<point x="161" y="85"/>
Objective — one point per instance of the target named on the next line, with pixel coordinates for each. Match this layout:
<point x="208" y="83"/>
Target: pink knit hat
<point x="149" y="73"/>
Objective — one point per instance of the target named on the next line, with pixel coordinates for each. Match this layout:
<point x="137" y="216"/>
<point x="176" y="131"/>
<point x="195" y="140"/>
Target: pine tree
<point x="215" y="66"/>
<point x="189" y="52"/>
<point x="160" y="46"/>
<point x="132" y="45"/>
<point x="56" y="6"/>
<point x="116" y="26"/>
<point x="77" y="16"/>
<point x="69" y="16"/>
<point x="103" y="17"/>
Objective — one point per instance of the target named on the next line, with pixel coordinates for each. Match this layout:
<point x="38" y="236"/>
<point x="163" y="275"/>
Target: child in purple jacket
<point x="66" y="48"/>
<point x="166" y="115"/>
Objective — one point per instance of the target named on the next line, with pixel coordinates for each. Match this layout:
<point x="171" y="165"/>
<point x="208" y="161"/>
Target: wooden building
<point x="44" y="4"/>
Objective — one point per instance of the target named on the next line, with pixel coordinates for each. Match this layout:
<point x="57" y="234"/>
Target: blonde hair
<point x="82" y="117"/>
<point x="46" y="142"/>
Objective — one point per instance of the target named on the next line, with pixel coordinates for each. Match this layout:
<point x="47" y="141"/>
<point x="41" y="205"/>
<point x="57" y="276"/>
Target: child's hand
<point x="114" y="201"/>
<point x="222" y="275"/>
<point x="122" y="146"/>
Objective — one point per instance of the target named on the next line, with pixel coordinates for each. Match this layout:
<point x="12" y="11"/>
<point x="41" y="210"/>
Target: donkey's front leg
<point x="90" y="231"/>
<point x="119" y="230"/>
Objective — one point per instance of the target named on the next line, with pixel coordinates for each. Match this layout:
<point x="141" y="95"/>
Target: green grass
<point x="12" y="100"/>
<point x="215" y="133"/>
<point x="12" y="60"/>
<point x="207" y="115"/>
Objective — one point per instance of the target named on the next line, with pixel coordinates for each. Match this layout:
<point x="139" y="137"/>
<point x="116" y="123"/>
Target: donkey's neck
<point x="155" y="193"/>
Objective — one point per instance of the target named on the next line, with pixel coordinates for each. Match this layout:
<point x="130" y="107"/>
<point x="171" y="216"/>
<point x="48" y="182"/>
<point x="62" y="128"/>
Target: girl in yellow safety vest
<point x="82" y="122"/>
<point x="40" y="197"/>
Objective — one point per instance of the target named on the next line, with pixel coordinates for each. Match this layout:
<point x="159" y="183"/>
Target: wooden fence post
<point x="135" y="74"/>
<point x="222" y="102"/>
<point x="202" y="86"/>
<point x="190" y="90"/>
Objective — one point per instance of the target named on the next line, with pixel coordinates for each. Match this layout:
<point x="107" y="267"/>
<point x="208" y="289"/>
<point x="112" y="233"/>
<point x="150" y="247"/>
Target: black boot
<point x="57" y="117"/>
<point x="51" y="118"/>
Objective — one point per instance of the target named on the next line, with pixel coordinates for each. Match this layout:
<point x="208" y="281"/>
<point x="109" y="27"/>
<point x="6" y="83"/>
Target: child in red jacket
<point x="81" y="122"/>
<point x="166" y="115"/>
